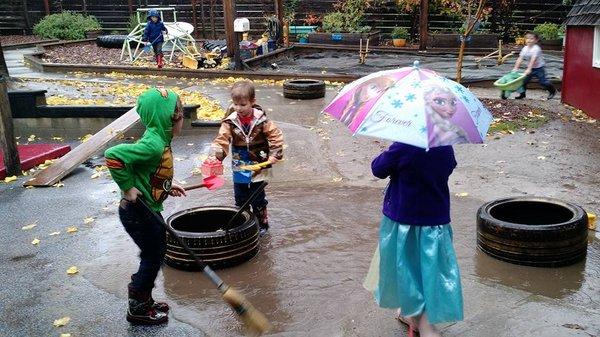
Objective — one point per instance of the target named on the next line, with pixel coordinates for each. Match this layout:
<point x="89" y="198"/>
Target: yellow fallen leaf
<point x="62" y="321"/>
<point x="53" y="233"/>
<point x="28" y="187"/>
<point x="71" y="229"/>
<point x="31" y="138"/>
<point x="337" y="179"/>
<point x="28" y="227"/>
<point x="88" y="220"/>
<point x="541" y="158"/>
<point x="10" y="179"/>
<point x="65" y="335"/>
<point x="72" y="270"/>
<point x="190" y="144"/>
<point x="95" y="175"/>
<point x="85" y="138"/>
<point x="57" y="138"/>
<point x="35" y="241"/>
<point x="462" y="194"/>
<point x="101" y="168"/>
<point x="58" y="184"/>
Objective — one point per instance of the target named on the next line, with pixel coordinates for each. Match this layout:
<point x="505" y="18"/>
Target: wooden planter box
<point x="345" y="38"/>
<point x="92" y="34"/>
<point x="453" y="41"/>
<point x="552" y="44"/>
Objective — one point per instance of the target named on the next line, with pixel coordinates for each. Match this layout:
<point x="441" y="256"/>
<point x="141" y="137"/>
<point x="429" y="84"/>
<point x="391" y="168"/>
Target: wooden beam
<point x="64" y="165"/>
<point x="229" y="15"/>
<point x="423" y="24"/>
<point x="130" y="3"/>
<point x="8" y="144"/>
<point x="212" y="19"/>
<point x="47" y="6"/>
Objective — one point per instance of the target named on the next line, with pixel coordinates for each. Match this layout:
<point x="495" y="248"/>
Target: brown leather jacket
<point x="264" y="139"/>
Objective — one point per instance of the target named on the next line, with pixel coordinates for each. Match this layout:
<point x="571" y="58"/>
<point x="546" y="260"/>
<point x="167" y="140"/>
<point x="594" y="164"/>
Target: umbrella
<point x="411" y="105"/>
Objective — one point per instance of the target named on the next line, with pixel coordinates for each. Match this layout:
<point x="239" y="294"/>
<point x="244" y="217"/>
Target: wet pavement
<point x="325" y="209"/>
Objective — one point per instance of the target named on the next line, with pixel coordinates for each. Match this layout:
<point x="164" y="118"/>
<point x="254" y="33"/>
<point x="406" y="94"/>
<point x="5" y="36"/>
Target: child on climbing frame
<point x="153" y="34"/>
<point x="254" y="138"/>
<point x="532" y="55"/>
<point x="415" y="268"/>
<point x="145" y="170"/>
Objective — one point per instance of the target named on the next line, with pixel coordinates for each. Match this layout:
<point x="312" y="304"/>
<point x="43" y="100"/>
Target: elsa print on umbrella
<point x="440" y="106"/>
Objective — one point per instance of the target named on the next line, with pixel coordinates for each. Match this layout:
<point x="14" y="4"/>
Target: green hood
<point x="156" y="113"/>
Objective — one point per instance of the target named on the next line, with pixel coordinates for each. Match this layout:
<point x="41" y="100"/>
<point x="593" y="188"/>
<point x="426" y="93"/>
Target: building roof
<point x="584" y="13"/>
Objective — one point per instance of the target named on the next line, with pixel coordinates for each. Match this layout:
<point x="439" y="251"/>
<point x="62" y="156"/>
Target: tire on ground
<point x="303" y="89"/>
<point x="113" y="41"/>
<point x="201" y="228"/>
<point x="533" y="231"/>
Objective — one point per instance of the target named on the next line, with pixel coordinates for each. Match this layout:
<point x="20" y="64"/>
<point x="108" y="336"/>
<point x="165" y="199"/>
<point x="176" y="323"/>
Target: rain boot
<point x="502" y="94"/>
<point x="551" y="91"/>
<point x="158" y="306"/>
<point x="141" y="311"/>
<point x="263" y="220"/>
<point x="160" y="61"/>
<point x="521" y="96"/>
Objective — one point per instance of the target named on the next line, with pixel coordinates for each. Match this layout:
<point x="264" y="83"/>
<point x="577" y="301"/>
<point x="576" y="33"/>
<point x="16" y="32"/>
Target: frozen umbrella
<point x="411" y="105"/>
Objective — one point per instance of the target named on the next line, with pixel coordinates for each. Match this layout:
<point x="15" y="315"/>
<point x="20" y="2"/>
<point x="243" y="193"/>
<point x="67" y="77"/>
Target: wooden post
<point x="423" y="24"/>
<point x="229" y="16"/>
<point x="279" y="14"/>
<point x="26" y="16"/>
<point x="202" y="18"/>
<point x="47" y="6"/>
<point x="7" y="137"/>
<point x="84" y="6"/>
<point x="212" y="19"/>
<point x="470" y="25"/>
<point x="130" y="3"/>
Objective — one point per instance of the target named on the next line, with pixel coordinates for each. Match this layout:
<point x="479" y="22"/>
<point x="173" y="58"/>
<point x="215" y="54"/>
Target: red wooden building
<point x="581" y="72"/>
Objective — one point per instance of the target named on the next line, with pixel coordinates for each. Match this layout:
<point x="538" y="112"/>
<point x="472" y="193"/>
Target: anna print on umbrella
<point x="440" y="107"/>
<point x="364" y="94"/>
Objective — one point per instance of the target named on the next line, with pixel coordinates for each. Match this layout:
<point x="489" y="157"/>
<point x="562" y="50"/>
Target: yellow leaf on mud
<point x="65" y="335"/>
<point x="57" y="138"/>
<point x="58" y="184"/>
<point x="71" y="229"/>
<point x="462" y="194"/>
<point x="10" y="179"/>
<point x="85" y="138"/>
<point x="541" y="158"/>
<point x="190" y="144"/>
<point x="62" y="321"/>
<point x="72" y="270"/>
<point x="35" y="242"/>
<point x="54" y="233"/>
<point x="88" y="220"/>
<point x="95" y="175"/>
<point x="28" y="187"/>
<point x="101" y="168"/>
<point x="31" y="138"/>
<point x="337" y="179"/>
<point x="28" y="227"/>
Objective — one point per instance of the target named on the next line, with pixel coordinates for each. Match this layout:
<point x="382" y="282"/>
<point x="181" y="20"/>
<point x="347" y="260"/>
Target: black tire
<point x="213" y="245"/>
<point x="533" y="231"/>
<point x="113" y="41"/>
<point x="303" y="89"/>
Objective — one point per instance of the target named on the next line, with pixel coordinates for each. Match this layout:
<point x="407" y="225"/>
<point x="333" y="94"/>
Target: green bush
<point x="133" y="22"/>
<point x="348" y="18"/>
<point x="400" y="33"/>
<point x="65" y="26"/>
<point x="549" y="31"/>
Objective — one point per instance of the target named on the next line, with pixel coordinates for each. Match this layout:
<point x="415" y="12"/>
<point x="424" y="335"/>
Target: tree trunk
<point x="229" y="16"/>
<point x="423" y="24"/>
<point x="7" y="137"/>
<point x="461" y="55"/>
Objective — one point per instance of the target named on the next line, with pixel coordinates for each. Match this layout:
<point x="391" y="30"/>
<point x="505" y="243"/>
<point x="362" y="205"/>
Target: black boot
<point x="141" y="311"/>
<point x="263" y="220"/>
<point x="521" y="96"/>
<point x="158" y="306"/>
<point x="551" y="91"/>
<point x="502" y="94"/>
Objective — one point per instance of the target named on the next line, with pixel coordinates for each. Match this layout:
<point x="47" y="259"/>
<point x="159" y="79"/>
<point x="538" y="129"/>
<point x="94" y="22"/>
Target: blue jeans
<point x="540" y="74"/>
<point x="243" y="191"/>
<point x="150" y="237"/>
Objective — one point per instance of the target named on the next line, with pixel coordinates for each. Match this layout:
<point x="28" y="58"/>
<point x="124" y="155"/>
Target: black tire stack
<point x="303" y="89"/>
<point x="533" y="231"/>
<point x="202" y="229"/>
<point x="113" y="41"/>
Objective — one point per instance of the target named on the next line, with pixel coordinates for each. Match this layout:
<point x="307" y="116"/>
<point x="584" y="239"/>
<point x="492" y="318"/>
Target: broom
<point x="255" y="322"/>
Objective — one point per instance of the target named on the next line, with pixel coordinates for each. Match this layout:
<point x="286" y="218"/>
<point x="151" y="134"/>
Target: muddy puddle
<point x="307" y="278"/>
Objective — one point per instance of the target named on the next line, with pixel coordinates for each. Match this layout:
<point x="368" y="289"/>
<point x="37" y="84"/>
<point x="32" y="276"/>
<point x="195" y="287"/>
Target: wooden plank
<point x="64" y="165"/>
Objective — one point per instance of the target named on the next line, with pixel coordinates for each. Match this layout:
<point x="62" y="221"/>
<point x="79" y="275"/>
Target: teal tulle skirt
<point x="415" y="269"/>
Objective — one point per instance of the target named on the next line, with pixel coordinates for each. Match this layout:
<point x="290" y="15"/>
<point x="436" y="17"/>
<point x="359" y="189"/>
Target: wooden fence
<point x="19" y="16"/>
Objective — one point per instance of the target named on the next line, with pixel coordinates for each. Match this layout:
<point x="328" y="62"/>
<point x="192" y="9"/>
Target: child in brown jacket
<point x="254" y="139"/>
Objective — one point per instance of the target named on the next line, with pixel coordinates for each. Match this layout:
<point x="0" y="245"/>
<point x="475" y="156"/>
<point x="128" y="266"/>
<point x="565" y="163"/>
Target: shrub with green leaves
<point x="400" y="33"/>
<point x="348" y="18"/>
<point x="548" y="31"/>
<point x="65" y="26"/>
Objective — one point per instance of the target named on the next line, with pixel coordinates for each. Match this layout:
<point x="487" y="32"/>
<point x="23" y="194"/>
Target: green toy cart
<point x="510" y="82"/>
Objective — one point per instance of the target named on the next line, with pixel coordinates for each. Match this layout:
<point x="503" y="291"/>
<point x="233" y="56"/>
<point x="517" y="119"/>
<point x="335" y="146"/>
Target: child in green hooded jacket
<point x="145" y="169"/>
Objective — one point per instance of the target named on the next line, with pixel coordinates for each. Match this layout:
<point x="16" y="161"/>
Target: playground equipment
<point x="178" y="35"/>
<point x="497" y="54"/>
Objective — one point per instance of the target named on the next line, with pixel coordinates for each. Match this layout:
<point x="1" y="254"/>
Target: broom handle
<point x="214" y="278"/>
<point x="247" y="203"/>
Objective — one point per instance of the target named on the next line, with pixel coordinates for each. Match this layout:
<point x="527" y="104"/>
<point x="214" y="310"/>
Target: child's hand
<point x="177" y="191"/>
<point x="132" y="194"/>
<point x="527" y="71"/>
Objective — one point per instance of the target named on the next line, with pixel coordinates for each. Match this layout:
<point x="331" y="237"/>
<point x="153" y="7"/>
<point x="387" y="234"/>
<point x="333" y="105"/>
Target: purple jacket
<point x="418" y="190"/>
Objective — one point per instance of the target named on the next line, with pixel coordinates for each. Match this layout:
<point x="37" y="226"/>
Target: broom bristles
<point x="254" y="321"/>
